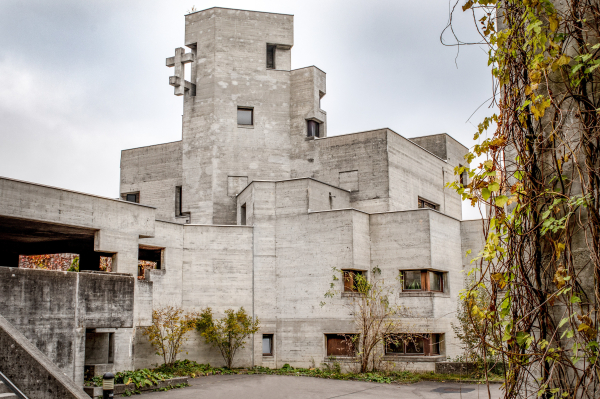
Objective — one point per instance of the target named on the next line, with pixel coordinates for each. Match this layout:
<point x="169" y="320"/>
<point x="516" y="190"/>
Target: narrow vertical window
<point x="178" y="209"/>
<point x="436" y="282"/>
<point x="243" y="215"/>
<point x="464" y="177"/>
<point x="111" y="347"/>
<point x="312" y="128"/>
<point x="271" y="56"/>
<point x="267" y="344"/>
<point x="435" y="344"/>
<point x="245" y="116"/>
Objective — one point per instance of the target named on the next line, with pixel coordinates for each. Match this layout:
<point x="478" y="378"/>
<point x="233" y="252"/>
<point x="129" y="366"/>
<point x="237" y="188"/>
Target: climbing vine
<point x="539" y="182"/>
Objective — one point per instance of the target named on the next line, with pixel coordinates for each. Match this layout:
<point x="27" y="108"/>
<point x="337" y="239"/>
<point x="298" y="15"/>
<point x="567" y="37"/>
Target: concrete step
<point x="8" y="395"/>
<point x="4" y="388"/>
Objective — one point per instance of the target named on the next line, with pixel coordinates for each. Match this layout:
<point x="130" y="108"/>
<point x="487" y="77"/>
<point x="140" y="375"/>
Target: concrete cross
<point x="178" y="81"/>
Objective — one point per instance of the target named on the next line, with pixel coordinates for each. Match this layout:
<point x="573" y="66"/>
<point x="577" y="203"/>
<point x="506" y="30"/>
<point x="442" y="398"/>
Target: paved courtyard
<point x="273" y="386"/>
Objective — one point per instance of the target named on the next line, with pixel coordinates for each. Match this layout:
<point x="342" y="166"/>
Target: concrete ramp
<point x="30" y="370"/>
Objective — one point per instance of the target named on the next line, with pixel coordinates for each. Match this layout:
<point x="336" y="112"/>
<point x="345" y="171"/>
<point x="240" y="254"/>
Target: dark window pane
<point x="270" y="56"/>
<point x="435" y="281"/>
<point x="412" y="280"/>
<point x="394" y="344"/>
<point x="464" y="178"/>
<point x="435" y="344"/>
<point x="243" y="215"/>
<point x="312" y="129"/>
<point x="426" y="204"/>
<point x="415" y="345"/>
<point x="132" y="197"/>
<point x="244" y="116"/>
<point x="178" y="201"/>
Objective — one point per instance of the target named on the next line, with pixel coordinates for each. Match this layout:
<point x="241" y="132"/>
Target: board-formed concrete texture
<point x="256" y="215"/>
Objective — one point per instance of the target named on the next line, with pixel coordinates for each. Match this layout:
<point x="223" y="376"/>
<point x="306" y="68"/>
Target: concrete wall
<point x="421" y="239"/>
<point x="154" y="172"/>
<point x="54" y="309"/>
<point x="415" y="173"/>
<point x="205" y="266"/>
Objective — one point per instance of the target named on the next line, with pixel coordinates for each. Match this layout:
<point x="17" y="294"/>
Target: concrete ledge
<point x="414" y="359"/>
<point x="430" y="294"/>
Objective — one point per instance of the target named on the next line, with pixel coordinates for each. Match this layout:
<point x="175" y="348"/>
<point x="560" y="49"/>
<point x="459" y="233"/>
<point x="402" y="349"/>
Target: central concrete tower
<point x="236" y="117"/>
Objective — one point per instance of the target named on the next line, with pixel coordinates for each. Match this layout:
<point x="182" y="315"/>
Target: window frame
<point x="318" y="128"/>
<point x="351" y="288"/>
<point x="251" y="109"/>
<point x="178" y="200"/>
<point x="137" y="197"/>
<point x="273" y="48"/>
<point x="271" y="344"/>
<point x="422" y="203"/>
<point x="243" y="214"/>
<point x="428" y="340"/>
<point x="348" y="338"/>
<point x="425" y="280"/>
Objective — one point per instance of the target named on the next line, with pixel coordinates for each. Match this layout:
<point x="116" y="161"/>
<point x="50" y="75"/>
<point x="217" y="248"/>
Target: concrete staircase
<point x="5" y="392"/>
<point x="33" y="372"/>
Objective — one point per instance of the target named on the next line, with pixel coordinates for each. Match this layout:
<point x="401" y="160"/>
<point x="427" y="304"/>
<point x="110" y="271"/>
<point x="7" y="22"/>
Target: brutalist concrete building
<point x="254" y="207"/>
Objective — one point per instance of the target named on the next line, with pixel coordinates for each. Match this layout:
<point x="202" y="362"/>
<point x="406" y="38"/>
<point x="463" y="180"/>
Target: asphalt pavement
<point x="260" y="386"/>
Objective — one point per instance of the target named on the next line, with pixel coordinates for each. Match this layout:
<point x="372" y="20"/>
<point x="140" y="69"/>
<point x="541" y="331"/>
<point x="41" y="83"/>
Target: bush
<point x="227" y="334"/>
<point x="168" y="331"/>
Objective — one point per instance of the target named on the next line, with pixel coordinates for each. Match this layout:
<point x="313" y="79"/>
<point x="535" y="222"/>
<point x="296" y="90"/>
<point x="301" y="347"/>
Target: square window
<point x="245" y="116"/>
<point x="267" y="344"/>
<point x="271" y="56"/>
<point x="133" y="197"/>
<point x="412" y="280"/>
<point x="341" y="344"/>
<point x="312" y="129"/>
<point x="350" y="280"/>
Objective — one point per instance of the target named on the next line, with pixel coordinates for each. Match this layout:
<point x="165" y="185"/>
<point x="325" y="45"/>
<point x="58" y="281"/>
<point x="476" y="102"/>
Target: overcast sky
<point x="82" y="80"/>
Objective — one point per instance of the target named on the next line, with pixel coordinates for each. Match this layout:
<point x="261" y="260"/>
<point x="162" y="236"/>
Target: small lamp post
<point x="108" y="386"/>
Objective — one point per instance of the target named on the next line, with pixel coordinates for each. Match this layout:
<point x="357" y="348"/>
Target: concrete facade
<point x="257" y="215"/>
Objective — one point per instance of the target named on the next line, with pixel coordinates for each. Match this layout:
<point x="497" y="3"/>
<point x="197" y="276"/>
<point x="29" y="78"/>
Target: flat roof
<point x="238" y="9"/>
<point x="75" y="192"/>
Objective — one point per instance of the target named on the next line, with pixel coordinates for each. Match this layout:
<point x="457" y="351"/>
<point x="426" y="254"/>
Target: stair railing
<point x="12" y="387"/>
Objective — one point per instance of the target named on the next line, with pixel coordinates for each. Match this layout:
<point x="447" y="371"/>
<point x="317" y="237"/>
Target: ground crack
<point x="351" y="393"/>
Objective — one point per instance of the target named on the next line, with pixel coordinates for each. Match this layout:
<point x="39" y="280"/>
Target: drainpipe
<point x="253" y="316"/>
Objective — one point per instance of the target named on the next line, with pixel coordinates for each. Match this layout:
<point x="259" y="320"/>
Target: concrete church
<point x="253" y="207"/>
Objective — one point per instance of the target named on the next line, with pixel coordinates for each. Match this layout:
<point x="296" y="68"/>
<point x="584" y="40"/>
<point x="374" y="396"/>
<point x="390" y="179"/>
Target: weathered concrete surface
<point x="54" y="309"/>
<point x="31" y="370"/>
<point x="275" y="387"/>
